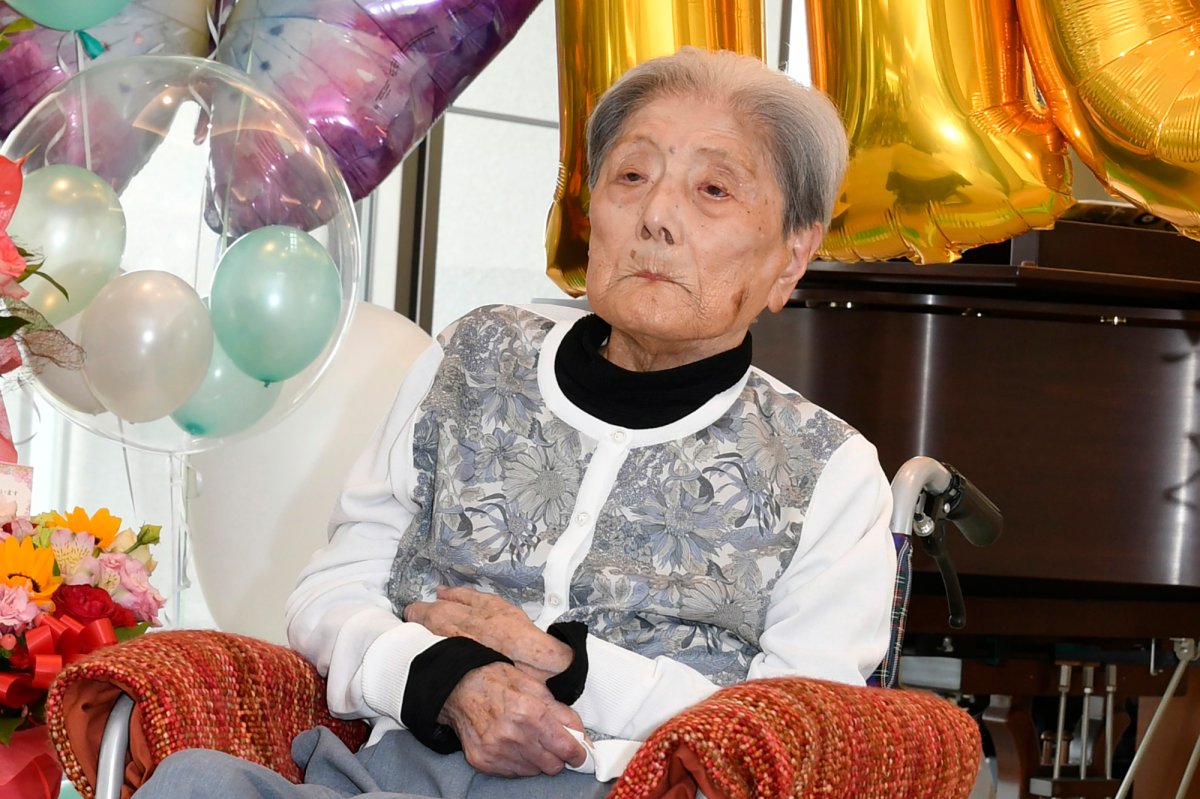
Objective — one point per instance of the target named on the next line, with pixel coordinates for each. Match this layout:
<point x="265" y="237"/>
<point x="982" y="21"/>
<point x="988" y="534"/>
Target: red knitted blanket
<point x="193" y="689"/>
<point x="794" y="737"/>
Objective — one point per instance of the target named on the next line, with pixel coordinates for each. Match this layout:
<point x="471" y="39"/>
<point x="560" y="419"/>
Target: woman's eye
<point x="713" y="190"/>
<point x="631" y="177"/>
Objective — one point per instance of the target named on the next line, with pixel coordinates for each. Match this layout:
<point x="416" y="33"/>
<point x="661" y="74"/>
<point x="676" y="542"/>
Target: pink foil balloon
<point x="370" y="75"/>
<point x="42" y="58"/>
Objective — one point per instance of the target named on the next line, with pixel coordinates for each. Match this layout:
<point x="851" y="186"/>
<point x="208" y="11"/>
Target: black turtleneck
<point x="639" y="400"/>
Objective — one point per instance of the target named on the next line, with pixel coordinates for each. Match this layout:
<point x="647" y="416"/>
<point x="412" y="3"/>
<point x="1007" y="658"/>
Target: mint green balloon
<point x="276" y="298"/>
<point x="227" y="402"/>
<point x="68" y="15"/>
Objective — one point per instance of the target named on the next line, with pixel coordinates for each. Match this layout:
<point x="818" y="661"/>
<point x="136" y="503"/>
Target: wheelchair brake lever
<point x="932" y="536"/>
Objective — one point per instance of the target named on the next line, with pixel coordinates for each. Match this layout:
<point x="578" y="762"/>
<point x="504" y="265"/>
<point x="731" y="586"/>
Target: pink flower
<point x="70" y="551"/>
<point x="12" y="265"/>
<point x="135" y="591"/>
<point x="91" y="571"/>
<point x="10" y="356"/>
<point x="10" y="288"/>
<point x="21" y="527"/>
<point x="17" y="609"/>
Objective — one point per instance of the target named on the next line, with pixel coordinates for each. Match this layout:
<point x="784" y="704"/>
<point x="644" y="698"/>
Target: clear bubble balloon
<point x="72" y="220"/>
<point x="191" y="118"/>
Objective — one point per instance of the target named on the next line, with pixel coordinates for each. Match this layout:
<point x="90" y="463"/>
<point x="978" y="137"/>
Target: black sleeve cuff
<point x="568" y="685"/>
<point x="431" y="678"/>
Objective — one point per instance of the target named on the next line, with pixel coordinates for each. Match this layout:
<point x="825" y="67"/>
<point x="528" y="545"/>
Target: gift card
<point x="16" y="486"/>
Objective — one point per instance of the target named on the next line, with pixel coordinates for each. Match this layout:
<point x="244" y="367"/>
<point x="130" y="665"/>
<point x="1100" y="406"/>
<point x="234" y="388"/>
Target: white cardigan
<point x="829" y="614"/>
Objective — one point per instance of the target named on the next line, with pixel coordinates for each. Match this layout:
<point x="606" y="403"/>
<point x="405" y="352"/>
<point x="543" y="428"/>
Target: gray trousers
<point x="398" y="767"/>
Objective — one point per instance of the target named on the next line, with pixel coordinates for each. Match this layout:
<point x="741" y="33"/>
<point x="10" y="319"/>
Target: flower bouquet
<point x="68" y="585"/>
<point x="20" y="323"/>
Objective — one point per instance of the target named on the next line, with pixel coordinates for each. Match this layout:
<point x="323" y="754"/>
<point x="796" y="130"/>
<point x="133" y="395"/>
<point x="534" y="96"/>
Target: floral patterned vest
<point x="691" y="540"/>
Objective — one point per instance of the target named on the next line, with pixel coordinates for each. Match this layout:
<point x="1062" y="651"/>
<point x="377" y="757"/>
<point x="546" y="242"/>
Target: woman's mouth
<point x="651" y="276"/>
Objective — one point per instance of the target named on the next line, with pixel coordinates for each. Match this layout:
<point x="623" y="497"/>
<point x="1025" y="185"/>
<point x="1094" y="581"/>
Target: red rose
<point x="20" y="659"/>
<point x="123" y="617"/>
<point x="84" y="603"/>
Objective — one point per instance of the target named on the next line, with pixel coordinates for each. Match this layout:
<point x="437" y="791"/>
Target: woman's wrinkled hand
<point x="510" y="725"/>
<point x="489" y="620"/>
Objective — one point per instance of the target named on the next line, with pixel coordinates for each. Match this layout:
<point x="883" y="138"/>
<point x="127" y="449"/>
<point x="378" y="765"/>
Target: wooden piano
<point x="1060" y="373"/>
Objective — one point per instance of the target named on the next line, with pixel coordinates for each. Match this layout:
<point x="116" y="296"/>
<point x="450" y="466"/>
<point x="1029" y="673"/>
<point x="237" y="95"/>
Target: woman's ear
<point x="803" y="247"/>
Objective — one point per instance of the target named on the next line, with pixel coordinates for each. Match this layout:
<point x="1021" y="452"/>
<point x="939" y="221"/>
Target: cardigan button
<point x="555" y="600"/>
<point x="582" y="518"/>
<point x="618" y="436"/>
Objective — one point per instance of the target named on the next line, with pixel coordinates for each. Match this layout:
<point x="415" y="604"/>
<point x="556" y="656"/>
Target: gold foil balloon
<point x="1122" y="79"/>
<point x="947" y="149"/>
<point x="597" y="41"/>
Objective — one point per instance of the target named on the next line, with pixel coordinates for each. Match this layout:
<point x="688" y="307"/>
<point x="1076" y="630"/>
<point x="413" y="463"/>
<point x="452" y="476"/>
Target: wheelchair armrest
<point x="191" y="689"/>
<point x="793" y="736"/>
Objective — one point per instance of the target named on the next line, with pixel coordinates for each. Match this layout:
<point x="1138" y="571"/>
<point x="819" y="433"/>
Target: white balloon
<point x="147" y="343"/>
<point x="67" y="385"/>
<point x="258" y="506"/>
<point x="72" y="219"/>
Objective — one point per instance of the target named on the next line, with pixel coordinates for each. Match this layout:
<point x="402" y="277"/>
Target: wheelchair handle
<point x="926" y="494"/>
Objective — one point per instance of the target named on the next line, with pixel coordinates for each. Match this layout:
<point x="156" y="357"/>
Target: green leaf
<point x="8" y="726"/>
<point x="20" y="25"/>
<point x="129" y="633"/>
<point x="10" y="325"/>
<point x="33" y="270"/>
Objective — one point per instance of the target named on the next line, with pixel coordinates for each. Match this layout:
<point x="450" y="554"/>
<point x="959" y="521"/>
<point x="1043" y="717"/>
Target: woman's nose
<point x="660" y="216"/>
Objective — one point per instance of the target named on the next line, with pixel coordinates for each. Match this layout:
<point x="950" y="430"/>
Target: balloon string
<point x="236" y="136"/>
<point x="128" y="471"/>
<point x="33" y="404"/>
<point x="179" y="474"/>
<point x="83" y="104"/>
<point x="63" y="67"/>
<point x="206" y="113"/>
<point x="214" y="28"/>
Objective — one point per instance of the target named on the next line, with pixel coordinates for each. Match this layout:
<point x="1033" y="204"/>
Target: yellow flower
<point x="102" y="526"/>
<point x="26" y="566"/>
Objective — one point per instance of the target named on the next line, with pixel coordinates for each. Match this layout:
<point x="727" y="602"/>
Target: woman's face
<point x="687" y="246"/>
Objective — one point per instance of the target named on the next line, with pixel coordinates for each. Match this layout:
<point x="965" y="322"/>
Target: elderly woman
<point x="572" y="527"/>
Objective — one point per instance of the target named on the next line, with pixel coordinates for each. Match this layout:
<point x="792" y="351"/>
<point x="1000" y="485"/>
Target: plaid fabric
<point x="793" y="737"/>
<point x="888" y="672"/>
<point x="192" y="688"/>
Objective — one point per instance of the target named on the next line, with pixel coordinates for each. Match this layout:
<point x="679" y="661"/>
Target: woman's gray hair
<point x="802" y="132"/>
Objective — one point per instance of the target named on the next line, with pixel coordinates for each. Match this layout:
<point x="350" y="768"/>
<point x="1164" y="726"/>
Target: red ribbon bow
<point x="53" y="645"/>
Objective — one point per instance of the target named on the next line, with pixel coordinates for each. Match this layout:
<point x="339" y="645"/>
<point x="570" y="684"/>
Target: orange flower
<point x="22" y="565"/>
<point x="102" y="525"/>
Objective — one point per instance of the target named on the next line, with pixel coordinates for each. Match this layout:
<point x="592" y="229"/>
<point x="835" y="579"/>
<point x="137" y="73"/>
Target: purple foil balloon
<point x="42" y="58"/>
<point x="371" y="77"/>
